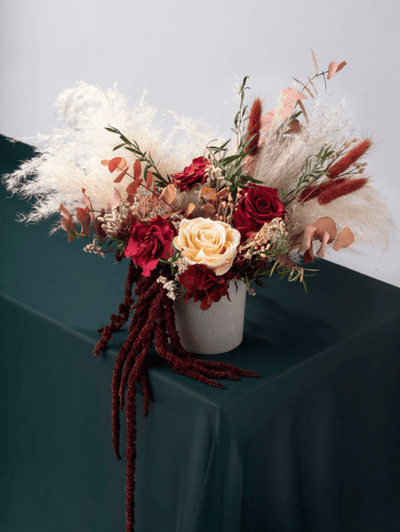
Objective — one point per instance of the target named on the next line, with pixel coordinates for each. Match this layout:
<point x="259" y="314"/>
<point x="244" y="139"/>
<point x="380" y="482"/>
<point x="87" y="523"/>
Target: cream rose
<point x="208" y="242"/>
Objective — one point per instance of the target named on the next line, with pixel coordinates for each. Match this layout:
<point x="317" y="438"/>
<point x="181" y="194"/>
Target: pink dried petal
<point x="332" y="69"/>
<point x="83" y="217"/>
<point x="97" y="224"/>
<point x="266" y="120"/>
<point x="67" y="222"/>
<point x="290" y="95"/>
<point x="325" y="240"/>
<point x="87" y="202"/>
<point x="115" y="200"/>
<point x="306" y="239"/>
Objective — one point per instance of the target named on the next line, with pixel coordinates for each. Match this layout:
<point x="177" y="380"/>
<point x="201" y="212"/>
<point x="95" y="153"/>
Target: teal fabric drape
<point x="312" y="445"/>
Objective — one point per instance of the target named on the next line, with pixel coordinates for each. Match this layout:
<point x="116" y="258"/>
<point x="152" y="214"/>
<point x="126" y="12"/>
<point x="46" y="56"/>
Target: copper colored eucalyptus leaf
<point x="149" y="179"/>
<point x="116" y="163"/>
<point x="344" y="239"/>
<point x="169" y="194"/>
<point x="133" y="187"/>
<point x="209" y="209"/>
<point x="323" y="225"/>
<point x="137" y="170"/>
<point x="119" y="178"/>
<point x="334" y="68"/>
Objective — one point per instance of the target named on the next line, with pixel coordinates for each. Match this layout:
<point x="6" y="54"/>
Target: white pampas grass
<point x="74" y="151"/>
<point x="281" y="158"/>
<point x="280" y="164"/>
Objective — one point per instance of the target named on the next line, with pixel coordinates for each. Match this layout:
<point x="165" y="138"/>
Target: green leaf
<point x="119" y="146"/>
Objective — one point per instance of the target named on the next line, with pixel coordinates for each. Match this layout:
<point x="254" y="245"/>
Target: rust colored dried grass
<point x="350" y="158"/>
<point x="254" y="127"/>
<point x="312" y="192"/>
<point x="341" y="189"/>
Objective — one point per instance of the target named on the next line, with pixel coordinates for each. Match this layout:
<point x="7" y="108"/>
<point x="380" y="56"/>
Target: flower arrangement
<point x="196" y="215"/>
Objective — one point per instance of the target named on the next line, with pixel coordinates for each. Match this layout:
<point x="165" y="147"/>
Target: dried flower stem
<point x="153" y="318"/>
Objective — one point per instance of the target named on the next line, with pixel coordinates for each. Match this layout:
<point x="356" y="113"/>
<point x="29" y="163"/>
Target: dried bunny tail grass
<point x="281" y="158"/>
<point x="349" y="159"/>
<point x="72" y="159"/>
<point x="254" y="127"/>
<point x="341" y="189"/>
<point x="364" y="212"/>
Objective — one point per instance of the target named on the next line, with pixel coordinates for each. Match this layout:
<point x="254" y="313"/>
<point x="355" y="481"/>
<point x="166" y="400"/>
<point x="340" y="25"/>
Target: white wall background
<point x="188" y="53"/>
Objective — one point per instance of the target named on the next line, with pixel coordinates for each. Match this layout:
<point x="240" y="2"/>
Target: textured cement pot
<point x="216" y="330"/>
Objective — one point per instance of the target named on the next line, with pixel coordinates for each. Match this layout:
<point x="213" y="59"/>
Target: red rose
<point x="149" y="242"/>
<point x="192" y="175"/>
<point x="259" y="206"/>
<point x="203" y="285"/>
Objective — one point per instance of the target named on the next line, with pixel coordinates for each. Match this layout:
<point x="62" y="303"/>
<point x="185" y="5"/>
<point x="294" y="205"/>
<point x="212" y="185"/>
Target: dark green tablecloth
<point x="313" y="445"/>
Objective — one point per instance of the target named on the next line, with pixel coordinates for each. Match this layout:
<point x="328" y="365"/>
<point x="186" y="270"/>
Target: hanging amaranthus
<point x="153" y="319"/>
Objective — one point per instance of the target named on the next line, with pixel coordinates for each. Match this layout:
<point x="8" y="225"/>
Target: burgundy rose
<point x="203" y="285"/>
<point x="192" y="175"/>
<point x="259" y="206"/>
<point x="149" y="242"/>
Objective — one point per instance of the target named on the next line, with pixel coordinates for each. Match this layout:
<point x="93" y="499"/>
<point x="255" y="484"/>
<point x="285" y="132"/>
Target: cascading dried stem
<point x="153" y="318"/>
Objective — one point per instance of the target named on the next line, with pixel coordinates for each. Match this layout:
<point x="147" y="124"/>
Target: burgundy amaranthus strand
<point x="153" y="319"/>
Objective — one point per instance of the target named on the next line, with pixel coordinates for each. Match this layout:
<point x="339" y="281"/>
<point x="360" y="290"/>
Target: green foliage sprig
<point x="142" y="156"/>
<point x="313" y="169"/>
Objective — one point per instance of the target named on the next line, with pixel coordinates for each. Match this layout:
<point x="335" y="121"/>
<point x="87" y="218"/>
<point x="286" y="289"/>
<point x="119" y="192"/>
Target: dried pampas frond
<point x="365" y="213"/>
<point x="72" y="157"/>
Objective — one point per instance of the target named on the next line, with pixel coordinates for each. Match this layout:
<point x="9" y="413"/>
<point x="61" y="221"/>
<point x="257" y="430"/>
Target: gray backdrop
<point x="188" y="55"/>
